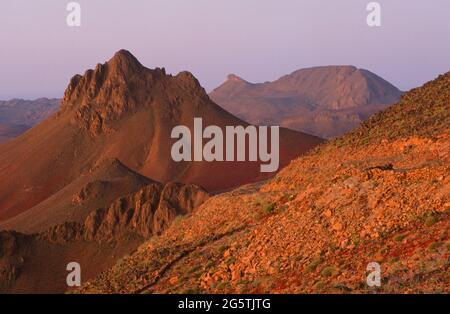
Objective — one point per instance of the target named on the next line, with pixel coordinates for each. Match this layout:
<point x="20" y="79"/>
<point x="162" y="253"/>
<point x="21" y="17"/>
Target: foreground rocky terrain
<point x="379" y="194"/>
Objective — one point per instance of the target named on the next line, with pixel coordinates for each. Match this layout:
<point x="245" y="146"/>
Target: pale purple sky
<point x="259" y="40"/>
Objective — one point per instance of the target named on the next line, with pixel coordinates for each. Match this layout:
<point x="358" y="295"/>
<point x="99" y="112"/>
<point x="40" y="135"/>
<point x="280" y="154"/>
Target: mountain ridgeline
<point x="18" y="115"/>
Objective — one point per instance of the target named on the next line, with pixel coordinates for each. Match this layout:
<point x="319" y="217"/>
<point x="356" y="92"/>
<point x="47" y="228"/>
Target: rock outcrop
<point x="146" y="212"/>
<point x="37" y="262"/>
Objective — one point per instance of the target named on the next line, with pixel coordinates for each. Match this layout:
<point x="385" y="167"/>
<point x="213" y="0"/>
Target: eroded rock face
<point x="134" y="211"/>
<point x="90" y="190"/>
<point x="177" y="199"/>
<point x="10" y="257"/>
<point x="68" y="231"/>
<point x="127" y="220"/>
<point x="147" y="212"/>
<point x="111" y="90"/>
<point x="101" y="95"/>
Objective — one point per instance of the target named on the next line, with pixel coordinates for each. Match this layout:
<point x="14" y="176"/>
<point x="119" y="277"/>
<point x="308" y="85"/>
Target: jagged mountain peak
<point x="114" y="78"/>
<point x="125" y="60"/>
<point x="107" y="93"/>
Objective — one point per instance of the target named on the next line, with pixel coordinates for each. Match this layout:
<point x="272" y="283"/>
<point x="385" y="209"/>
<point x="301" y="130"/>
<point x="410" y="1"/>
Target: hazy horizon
<point x="257" y="40"/>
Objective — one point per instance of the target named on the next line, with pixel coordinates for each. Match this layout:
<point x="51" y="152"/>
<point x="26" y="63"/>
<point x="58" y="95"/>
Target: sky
<point x="259" y="40"/>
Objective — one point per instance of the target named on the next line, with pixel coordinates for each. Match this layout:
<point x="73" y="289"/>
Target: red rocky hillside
<point x="380" y="194"/>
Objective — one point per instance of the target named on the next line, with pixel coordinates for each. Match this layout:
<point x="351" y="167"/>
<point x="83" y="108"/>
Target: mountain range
<point x="325" y="101"/>
<point x="18" y="115"/>
<point x="94" y="182"/>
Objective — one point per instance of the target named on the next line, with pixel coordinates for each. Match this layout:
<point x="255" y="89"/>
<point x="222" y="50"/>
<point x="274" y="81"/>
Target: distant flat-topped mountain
<point x="325" y="101"/>
<point x="125" y="111"/>
<point x="18" y="115"/>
